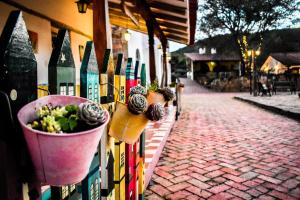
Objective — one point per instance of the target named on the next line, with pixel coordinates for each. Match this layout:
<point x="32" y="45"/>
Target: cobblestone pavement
<point x="221" y="148"/>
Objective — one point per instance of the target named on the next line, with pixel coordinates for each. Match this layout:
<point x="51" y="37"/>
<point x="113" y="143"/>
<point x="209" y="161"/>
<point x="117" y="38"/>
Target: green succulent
<point x="43" y="111"/>
<point x="50" y="125"/>
<point x="92" y="114"/>
<point x="59" y="112"/>
<point x="153" y="86"/>
<point x="66" y="119"/>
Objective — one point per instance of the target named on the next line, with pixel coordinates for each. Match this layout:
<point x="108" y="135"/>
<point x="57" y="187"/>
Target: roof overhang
<point x="212" y="57"/>
<point x="279" y="63"/>
<point x="176" y="18"/>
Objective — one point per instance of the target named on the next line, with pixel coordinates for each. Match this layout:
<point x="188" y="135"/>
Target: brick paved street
<point x="221" y="148"/>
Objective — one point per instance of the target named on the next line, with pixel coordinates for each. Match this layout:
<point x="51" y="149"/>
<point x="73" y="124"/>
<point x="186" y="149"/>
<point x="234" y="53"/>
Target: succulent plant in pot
<point x="137" y="104"/>
<point x="91" y="113"/>
<point x="167" y="93"/>
<point x="138" y="90"/>
<point x="155" y="112"/>
<point x="69" y="118"/>
<point x="62" y="134"/>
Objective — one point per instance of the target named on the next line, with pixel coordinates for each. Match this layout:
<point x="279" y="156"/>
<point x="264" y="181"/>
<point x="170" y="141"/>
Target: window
<point x="96" y="189"/>
<point x="122" y="94"/>
<point x="92" y="191"/>
<point x="90" y="92"/>
<point x="96" y="92"/>
<point x="71" y="89"/>
<point x="63" y="89"/>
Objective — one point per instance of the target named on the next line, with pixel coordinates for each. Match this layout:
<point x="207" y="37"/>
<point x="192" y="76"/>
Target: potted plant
<point x="129" y="121"/>
<point x="180" y="87"/>
<point x="159" y="95"/>
<point x="62" y="134"/>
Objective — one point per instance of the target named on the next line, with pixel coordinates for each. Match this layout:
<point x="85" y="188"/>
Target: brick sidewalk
<point x="225" y="149"/>
<point x="283" y="103"/>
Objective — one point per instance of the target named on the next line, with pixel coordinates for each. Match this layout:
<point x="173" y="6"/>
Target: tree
<point x="244" y="17"/>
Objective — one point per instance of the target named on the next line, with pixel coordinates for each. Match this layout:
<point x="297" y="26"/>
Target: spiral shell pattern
<point x="92" y="113"/>
<point x="168" y="93"/>
<point x="138" y="90"/>
<point x="137" y="104"/>
<point x="155" y="112"/>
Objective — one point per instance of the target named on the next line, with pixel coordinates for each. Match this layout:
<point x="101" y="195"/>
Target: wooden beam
<point x="173" y="31"/>
<point x="126" y="23"/>
<point x="134" y="28"/>
<point x="177" y="3"/>
<point x="157" y="10"/>
<point x="171" y="25"/>
<point x="128" y="12"/>
<point x="158" y="13"/>
<point x="118" y="21"/>
<point x="100" y="29"/>
<point x="145" y="11"/>
<point x="177" y="31"/>
<point x="170" y="17"/>
<point x="175" y="37"/>
<point x="167" y="22"/>
<point x="130" y="26"/>
<point x="164" y="81"/>
<point x="152" y="67"/>
<point x="168" y="7"/>
<point x="113" y="11"/>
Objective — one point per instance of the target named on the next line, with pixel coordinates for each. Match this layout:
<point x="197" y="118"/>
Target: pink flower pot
<point x="59" y="159"/>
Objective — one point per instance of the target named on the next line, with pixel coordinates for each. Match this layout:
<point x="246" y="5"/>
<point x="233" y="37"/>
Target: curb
<point x="166" y="129"/>
<point x="291" y="115"/>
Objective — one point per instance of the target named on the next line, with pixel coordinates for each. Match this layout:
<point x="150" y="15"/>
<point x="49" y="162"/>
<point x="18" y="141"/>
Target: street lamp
<point x="253" y="53"/>
<point x="127" y="36"/>
<point x="82" y="5"/>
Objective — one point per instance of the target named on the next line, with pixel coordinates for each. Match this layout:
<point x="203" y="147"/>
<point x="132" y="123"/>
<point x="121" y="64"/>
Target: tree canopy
<point x="242" y="17"/>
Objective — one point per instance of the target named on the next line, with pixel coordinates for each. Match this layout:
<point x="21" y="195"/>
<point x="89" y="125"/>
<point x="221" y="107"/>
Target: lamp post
<point x="253" y="55"/>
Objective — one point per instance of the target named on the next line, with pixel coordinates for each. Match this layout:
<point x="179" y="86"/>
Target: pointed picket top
<point x="62" y="54"/>
<point x="129" y="70"/>
<point x="105" y="61"/>
<point x="110" y="169"/>
<point x="107" y="74"/>
<point x="89" y="61"/>
<point x="17" y="62"/>
<point x="119" y="70"/>
<point x="15" y="40"/>
<point x="143" y="75"/>
<point x="110" y="80"/>
<point x="109" y="175"/>
<point x="136" y="69"/>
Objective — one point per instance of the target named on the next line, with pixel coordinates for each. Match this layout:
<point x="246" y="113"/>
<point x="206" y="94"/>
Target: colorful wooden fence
<point x="117" y="170"/>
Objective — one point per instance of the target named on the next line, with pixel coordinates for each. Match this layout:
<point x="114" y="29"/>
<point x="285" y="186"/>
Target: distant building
<point x="283" y="40"/>
<point x="279" y="63"/>
<point x="202" y="50"/>
<point x="211" y="64"/>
